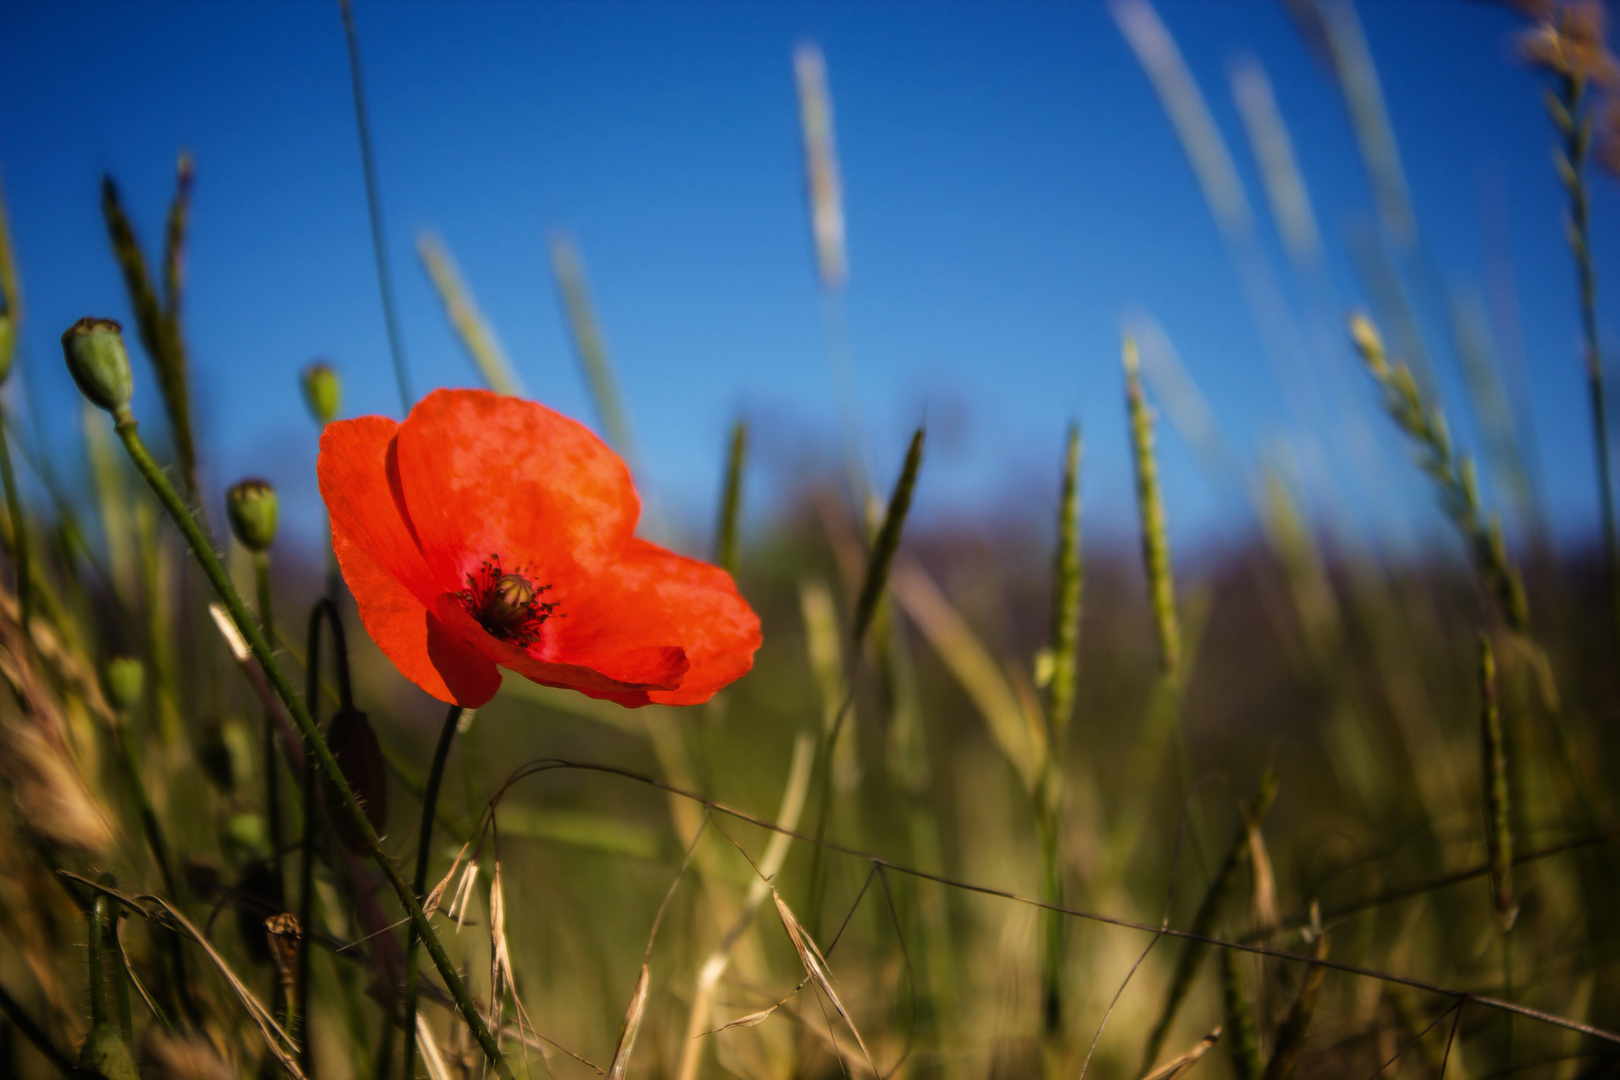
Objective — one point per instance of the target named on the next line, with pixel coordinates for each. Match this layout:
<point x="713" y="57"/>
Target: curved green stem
<point x="249" y="627"/>
<point x="424" y="851"/>
<point x="98" y="979"/>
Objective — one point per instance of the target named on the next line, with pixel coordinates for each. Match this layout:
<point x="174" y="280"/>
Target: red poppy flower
<point x="487" y="530"/>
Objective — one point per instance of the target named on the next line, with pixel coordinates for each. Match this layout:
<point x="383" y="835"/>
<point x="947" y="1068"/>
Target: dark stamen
<point x="506" y="604"/>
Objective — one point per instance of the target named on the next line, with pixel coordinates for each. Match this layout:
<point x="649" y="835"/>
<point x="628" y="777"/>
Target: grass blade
<point x="474" y="333"/>
<point x="725" y="543"/>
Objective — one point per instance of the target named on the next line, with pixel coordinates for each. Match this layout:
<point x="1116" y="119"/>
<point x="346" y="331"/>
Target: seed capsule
<point x="359" y="758"/>
<point x="251" y="506"/>
<point x="98" y="362"/>
<point x="105" y="1056"/>
<point x="126" y="681"/>
<point x="322" y="391"/>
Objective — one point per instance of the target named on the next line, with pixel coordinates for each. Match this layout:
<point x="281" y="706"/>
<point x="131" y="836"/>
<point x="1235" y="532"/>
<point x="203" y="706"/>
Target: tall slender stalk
<point x="379" y="235"/>
<point x="209" y="561"/>
<point x="1574" y="123"/>
<point x="1067" y="583"/>
<point x="424" y="852"/>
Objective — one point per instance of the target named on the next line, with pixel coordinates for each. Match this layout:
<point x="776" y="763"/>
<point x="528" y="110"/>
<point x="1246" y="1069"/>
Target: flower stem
<point x="209" y="561"/>
<point x="424" y="850"/>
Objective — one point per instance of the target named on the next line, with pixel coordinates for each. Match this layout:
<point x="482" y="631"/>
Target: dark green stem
<point x="209" y="561"/>
<point x="108" y="911"/>
<point x="98" y="979"/>
<point x="19" y="531"/>
<point x="424" y="851"/>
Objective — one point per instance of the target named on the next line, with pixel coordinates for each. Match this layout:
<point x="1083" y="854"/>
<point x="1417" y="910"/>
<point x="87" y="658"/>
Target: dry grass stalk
<point x="815" y="966"/>
<point x="1185" y="1060"/>
<point x="436" y="896"/>
<point x="631" y="1027"/>
<point x="1274" y="152"/>
<point x="821" y="165"/>
<point x="472" y="330"/>
<point x="1019" y="736"/>
<point x="1189" y="114"/>
<point x="776" y="851"/>
<point x="432" y="1057"/>
<point x="54" y="798"/>
<point x="500" y="954"/>
<point x="593" y="355"/>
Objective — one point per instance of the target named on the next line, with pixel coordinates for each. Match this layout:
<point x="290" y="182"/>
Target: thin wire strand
<point x="549" y="764"/>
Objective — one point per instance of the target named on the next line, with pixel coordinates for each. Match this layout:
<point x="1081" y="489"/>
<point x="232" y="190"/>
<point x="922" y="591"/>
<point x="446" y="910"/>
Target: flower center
<point x="506" y="604"/>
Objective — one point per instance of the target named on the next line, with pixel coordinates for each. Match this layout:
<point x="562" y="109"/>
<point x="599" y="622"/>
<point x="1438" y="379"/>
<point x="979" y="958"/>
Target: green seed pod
<point x="358" y="755"/>
<point x="322" y="391"/>
<point x="251" y="506"/>
<point x="105" y="1056"/>
<point x="8" y="343"/>
<point x="126" y="681"/>
<point x="98" y="362"/>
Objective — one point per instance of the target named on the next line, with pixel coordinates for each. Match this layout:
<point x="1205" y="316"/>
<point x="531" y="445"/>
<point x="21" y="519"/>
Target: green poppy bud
<point x="322" y="391"/>
<point x="8" y="342"/>
<point x="359" y="758"/>
<point x="105" y="1056"/>
<point x="251" y="506"/>
<point x="126" y="681"/>
<point x="94" y="349"/>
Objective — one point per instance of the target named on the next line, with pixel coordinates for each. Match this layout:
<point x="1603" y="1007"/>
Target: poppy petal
<point x="485" y="475"/>
<point x="632" y="672"/>
<point x="471" y="677"/>
<point x="651" y="596"/>
<point x="376" y="551"/>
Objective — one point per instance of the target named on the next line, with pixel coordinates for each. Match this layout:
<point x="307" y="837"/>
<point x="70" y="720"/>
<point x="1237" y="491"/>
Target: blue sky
<point x="1013" y="190"/>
